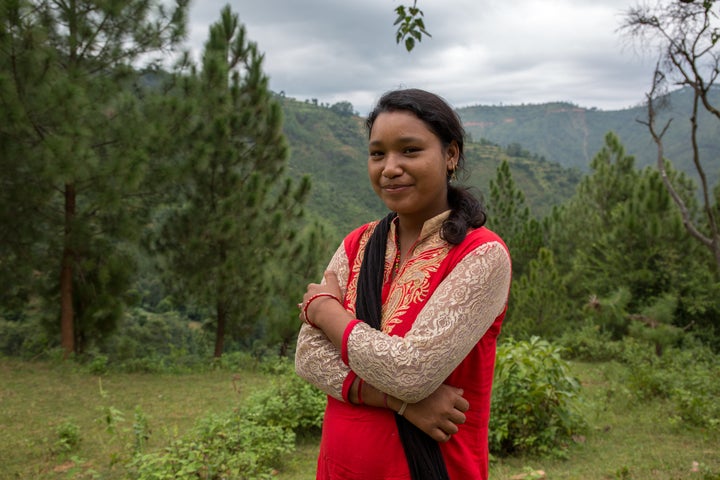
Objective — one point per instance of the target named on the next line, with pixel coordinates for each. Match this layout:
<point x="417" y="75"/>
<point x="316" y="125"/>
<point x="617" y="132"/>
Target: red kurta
<point x="361" y="442"/>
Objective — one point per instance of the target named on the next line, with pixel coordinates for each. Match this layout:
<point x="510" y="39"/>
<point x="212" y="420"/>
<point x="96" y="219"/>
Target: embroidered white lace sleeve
<point x="454" y="319"/>
<point x="317" y="360"/>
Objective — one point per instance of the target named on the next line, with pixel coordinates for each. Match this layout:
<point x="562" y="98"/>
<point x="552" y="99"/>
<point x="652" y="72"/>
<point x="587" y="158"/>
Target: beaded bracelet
<point x="310" y="300"/>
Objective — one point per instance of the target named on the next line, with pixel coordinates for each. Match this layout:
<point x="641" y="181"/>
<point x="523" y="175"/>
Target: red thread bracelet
<point x="310" y="300"/>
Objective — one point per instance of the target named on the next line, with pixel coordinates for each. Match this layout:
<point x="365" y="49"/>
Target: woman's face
<point x="408" y="165"/>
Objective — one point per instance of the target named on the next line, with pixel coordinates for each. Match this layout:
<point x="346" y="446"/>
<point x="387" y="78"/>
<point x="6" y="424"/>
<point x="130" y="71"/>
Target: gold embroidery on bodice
<point x="412" y="283"/>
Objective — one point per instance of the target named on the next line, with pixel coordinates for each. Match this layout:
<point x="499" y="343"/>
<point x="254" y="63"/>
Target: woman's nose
<point x="392" y="167"/>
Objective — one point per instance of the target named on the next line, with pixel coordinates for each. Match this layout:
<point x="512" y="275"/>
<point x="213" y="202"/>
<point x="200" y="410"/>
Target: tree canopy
<point x="74" y="139"/>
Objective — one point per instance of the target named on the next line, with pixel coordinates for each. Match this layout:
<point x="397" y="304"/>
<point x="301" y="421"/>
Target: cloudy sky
<point x="486" y="52"/>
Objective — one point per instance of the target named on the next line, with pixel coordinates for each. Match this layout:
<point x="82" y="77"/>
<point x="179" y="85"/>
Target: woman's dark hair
<point x="466" y="210"/>
<point x="423" y="454"/>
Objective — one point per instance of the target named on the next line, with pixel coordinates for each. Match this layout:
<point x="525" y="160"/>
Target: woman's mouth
<point x="394" y="188"/>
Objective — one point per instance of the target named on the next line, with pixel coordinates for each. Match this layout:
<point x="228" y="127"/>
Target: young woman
<point x="401" y="333"/>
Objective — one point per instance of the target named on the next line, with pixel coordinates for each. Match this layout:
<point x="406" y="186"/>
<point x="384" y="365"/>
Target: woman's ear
<point x="452" y="155"/>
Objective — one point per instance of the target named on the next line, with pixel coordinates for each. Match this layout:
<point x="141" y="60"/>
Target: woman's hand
<point x="439" y="414"/>
<point x="330" y="285"/>
<point x="322" y="311"/>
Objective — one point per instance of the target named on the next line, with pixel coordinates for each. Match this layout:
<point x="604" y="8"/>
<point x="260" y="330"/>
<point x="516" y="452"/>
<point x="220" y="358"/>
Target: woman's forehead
<point x="399" y="123"/>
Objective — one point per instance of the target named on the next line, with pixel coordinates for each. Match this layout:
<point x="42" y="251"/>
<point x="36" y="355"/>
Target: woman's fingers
<point x="443" y="435"/>
<point x="462" y="404"/>
<point x="457" y="417"/>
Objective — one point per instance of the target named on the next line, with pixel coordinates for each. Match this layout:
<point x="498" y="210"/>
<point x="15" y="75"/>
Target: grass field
<point x="38" y="401"/>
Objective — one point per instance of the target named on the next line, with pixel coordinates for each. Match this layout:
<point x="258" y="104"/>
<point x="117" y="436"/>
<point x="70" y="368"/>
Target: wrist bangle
<point x="359" y="392"/>
<point x="402" y="409"/>
<point x="310" y="300"/>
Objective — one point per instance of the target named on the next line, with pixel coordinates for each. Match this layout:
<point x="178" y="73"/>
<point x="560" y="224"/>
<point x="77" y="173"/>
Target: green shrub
<point x="248" y="443"/>
<point x="68" y="434"/>
<point x="238" y="360"/>
<point x="140" y="429"/>
<point x="533" y="400"/>
<point x="591" y="344"/>
<point x="25" y="339"/>
<point x="289" y="402"/>
<point x="686" y="377"/>
<point x="646" y="376"/>
<point x="221" y="447"/>
<point x="144" y="334"/>
<point x="98" y="365"/>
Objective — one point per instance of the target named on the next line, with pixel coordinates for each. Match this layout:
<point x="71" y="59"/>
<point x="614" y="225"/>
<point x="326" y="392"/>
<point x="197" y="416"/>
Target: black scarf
<point x="422" y="452"/>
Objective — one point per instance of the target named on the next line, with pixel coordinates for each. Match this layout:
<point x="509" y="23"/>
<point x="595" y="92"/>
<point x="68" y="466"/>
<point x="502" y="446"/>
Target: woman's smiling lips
<point x="395" y="187"/>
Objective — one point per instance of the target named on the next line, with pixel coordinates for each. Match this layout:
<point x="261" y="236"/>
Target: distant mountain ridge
<point x="571" y="135"/>
<point x="548" y="146"/>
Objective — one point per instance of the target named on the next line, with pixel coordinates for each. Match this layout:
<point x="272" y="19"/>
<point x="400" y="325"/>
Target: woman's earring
<point x="453" y="175"/>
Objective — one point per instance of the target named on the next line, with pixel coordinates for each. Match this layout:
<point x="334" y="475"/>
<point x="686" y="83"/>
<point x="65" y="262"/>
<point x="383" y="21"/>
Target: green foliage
<point x="289" y="402"/>
<point x="686" y="377"/>
<point x="411" y="25"/>
<point x="534" y="400"/>
<point x="610" y="313"/>
<point x="538" y="305"/>
<point x="69" y="437"/>
<point x="153" y="342"/>
<point x="250" y="442"/>
<point x="654" y="324"/>
<point x="343" y="108"/>
<point x="647" y="434"/>
<point x="140" y="430"/>
<point x="620" y="242"/>
<point x="543" y="184"/>
<point x="101" y="296"/>
<point x="590" y="343"/>
<point x="74" y="151"/>
<point x="509" y="216"/>
<point x="332" y="149"/>
<point x="304" y="261"/>
<point x="236" y="208"/>
<point x="98" y="365"/>
<point x="222" y="446"/>
<point x="24" y="338"/>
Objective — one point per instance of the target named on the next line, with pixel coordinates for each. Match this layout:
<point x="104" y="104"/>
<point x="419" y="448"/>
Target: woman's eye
<point x="376" y="153"/>
<point x="409" y="150"/>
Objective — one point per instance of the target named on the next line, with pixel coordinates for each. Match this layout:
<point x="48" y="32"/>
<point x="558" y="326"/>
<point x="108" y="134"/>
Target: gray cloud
<point x="481" y="51"/>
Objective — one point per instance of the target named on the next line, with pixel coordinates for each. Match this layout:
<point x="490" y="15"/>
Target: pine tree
<point x="74" y="137"/>
<point x="621" y="233"/>
<point x="236" y="209"/>
<point x="576" y="224"/>
<point x="538" y="304"/>
<point x="305" y="259"/>
<point x="509" y="216"/>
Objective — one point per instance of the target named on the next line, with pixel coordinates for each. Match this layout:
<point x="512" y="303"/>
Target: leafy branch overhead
<point x="410" y="25"/>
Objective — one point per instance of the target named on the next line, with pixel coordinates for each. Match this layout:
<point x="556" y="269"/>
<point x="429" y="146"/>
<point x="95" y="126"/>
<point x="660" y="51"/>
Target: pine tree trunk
<point x="220" y="332"/>
<point x="67" y="333"/>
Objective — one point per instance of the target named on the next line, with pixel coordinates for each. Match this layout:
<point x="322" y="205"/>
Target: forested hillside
<point x="571" y="135"/>
<point x="329" y="144"/>
<point x="547" y="146"/>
